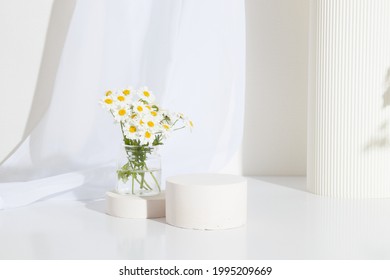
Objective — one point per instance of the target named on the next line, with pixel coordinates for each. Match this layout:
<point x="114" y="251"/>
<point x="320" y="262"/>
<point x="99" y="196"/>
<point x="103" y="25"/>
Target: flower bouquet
<point x="145" y="126"/>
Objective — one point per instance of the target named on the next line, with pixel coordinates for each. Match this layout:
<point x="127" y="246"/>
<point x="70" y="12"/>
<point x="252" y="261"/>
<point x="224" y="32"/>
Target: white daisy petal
<point x="107" y="103"/>
<point x="145" y="94"/>
<point x="139" y="108"/>
<point x="142" y="120"/>
<point x="131" y="131"/>
<point x="121" y="113"/>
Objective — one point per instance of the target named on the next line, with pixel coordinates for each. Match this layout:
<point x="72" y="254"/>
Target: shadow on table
<point x="160" y="220"/>
<point x="293" y="182"/>
<point x="97" y="206"/>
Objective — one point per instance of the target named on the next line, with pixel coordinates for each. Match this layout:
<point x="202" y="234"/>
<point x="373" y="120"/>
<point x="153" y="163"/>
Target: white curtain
<point x="190" y="53"/>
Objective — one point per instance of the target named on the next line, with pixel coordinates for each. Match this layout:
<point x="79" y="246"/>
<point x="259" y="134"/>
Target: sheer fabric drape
<point x="190" y="53"/>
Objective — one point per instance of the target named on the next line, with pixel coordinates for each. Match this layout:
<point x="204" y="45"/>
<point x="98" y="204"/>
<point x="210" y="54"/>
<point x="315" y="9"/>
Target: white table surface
<point x="284" y="222"/>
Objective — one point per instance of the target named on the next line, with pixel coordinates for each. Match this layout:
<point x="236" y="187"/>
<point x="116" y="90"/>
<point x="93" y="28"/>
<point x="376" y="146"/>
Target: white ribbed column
<point x="348" y="127"/>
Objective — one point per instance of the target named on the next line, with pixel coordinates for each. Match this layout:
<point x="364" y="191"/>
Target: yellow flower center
<point x="108" y="93"/>
<point x="121" y="112"/>
<point x="121" y="98"/>
<point x="147" y="106"/>
<point x="132" y="129"/>
<point x="191" y="124"/>
<point x="166" y="126"/>
<point x="146" y="93"/>
<point x="126" y="92"/>
<point x="140" y="109"/>
<point x="154" y="113"/>
<point x="150" y="123"/>
<point x="108" y="100"/>
<point x="148" y="134"/>
<point x="133" y="116"/>
<point x="141" y="122"/>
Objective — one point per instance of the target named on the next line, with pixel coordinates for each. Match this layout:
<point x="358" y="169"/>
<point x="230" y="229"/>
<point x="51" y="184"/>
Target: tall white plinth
<point x="349" y="99"/>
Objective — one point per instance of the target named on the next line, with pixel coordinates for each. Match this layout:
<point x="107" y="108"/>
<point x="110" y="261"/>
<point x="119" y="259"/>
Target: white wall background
<point x="276" y="88"/>
<point x="275" y="119"/>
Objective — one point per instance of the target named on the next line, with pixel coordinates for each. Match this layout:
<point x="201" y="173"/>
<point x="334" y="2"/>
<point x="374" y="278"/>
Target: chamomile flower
<point x="133" y="116"/>
<point x="121" y="99"/>
<point x="154" y="113"/>
<point x="107" y="102"/>
<point x="139" y="108"/>
<point x="129" y="91"/>
<point x="146" y="137"/>
<point x="166" y="130"/>
<point x="131" y="130"/>
<point x="166" y="127"/>
<point x="141" y="119"/>
<point x="108" y="92"/>
<point x="121" y="113"/>
<point x="179" y="115"/>
<point x="152" y="123"/>
<point x="188" y="123"/>
<point x="145" y="94"/>
<point x="138" y="120"/>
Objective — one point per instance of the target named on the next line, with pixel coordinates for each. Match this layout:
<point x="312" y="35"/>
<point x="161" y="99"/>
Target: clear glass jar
<point x="139" y="171"/>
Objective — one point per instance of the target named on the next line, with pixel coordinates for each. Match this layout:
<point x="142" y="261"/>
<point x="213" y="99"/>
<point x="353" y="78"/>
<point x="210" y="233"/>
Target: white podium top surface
<point x="284" y="222"/>
<point x="206" y="179"/>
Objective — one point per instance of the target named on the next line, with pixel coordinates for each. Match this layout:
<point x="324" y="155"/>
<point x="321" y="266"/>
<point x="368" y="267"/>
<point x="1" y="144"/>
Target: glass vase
<point x="139" y="171"/>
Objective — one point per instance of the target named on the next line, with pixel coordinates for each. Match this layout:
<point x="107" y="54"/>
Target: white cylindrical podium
<point x="206" y="201"/>
<point x="349" y="99"/>
<point x="130" y="206"/>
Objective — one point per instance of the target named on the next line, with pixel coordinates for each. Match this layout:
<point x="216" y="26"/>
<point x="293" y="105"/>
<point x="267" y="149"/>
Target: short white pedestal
<point x="206" y="201"/>
<point x="127" y="206"/>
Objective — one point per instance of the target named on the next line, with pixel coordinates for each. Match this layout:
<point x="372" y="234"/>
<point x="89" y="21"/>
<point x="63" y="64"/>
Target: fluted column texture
<point x="349" y="98"/>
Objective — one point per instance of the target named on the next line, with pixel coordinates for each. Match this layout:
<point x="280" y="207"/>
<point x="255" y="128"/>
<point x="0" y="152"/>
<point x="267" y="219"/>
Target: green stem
<point x="175" y="122"/>
<point x="142" y="180"/>
<point x="123" y="133"/>
<point x="147" y="186"/>
<point x="179" y="128"/>
<point x="154" y="178"/>
<point x="134" y="174"/>
<point x="132" y="183"/>
<point x="137" y="166"/>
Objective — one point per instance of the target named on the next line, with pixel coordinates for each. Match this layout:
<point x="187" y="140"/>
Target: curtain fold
<point x="190" y="53"/>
